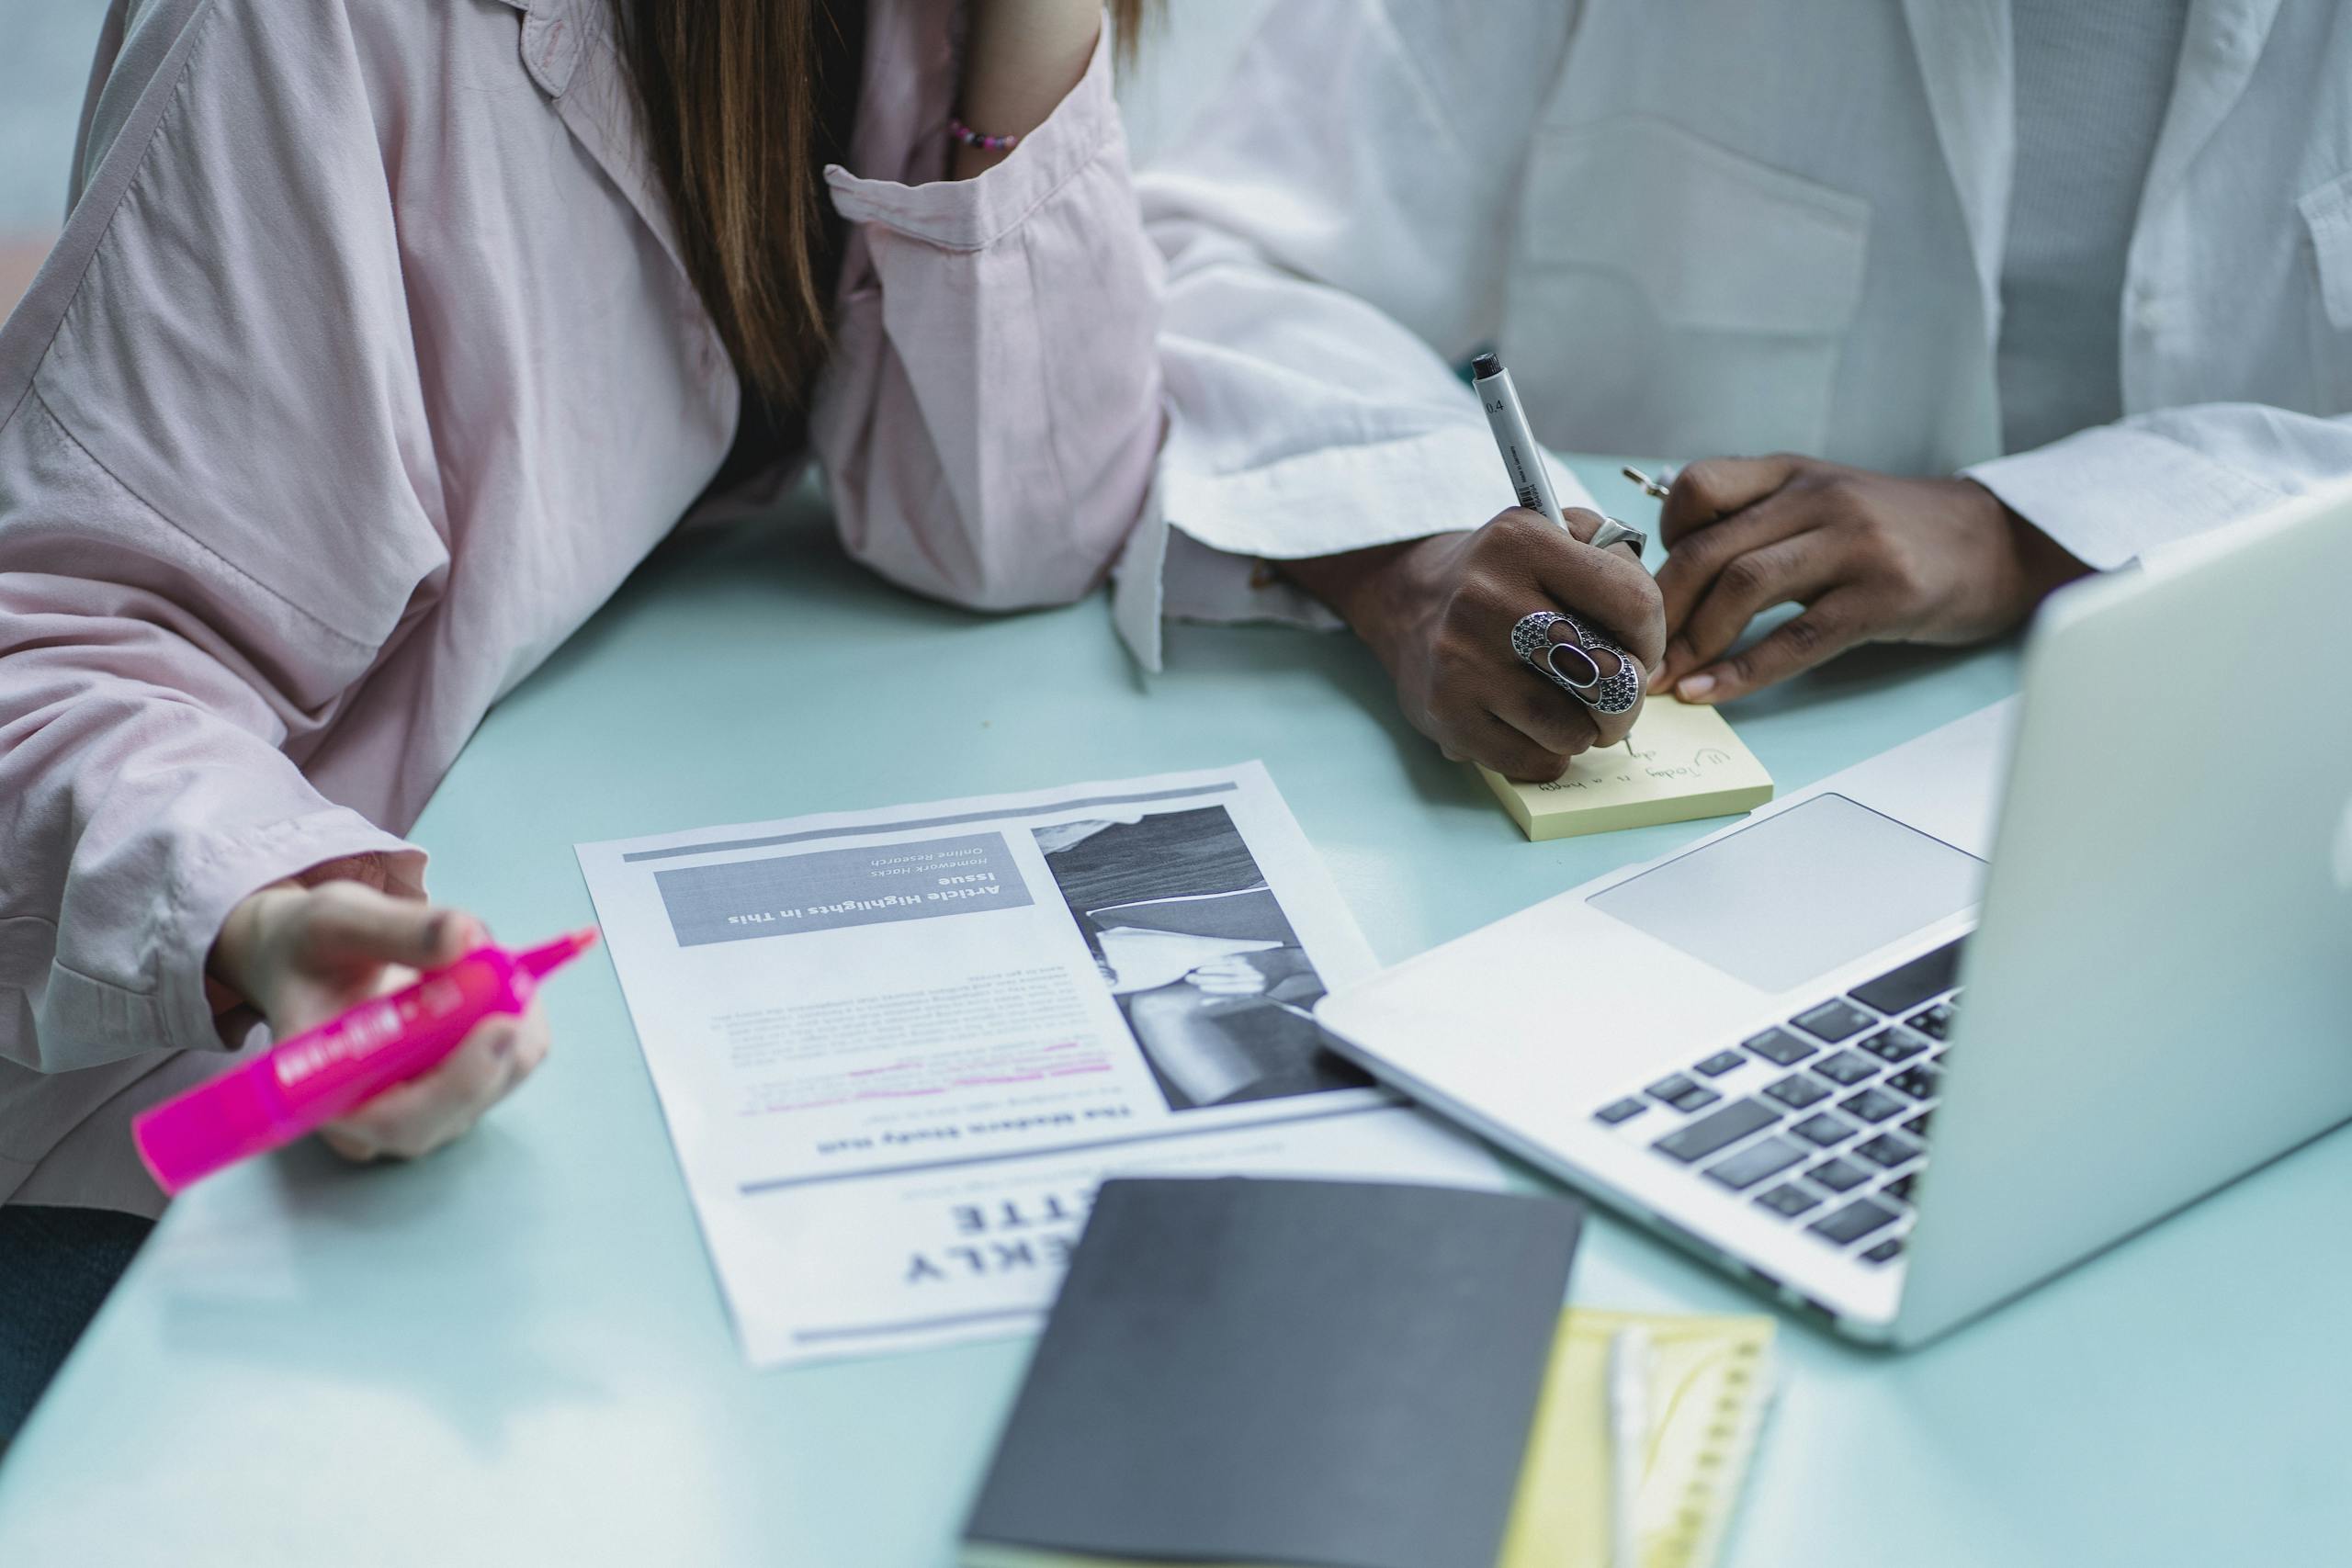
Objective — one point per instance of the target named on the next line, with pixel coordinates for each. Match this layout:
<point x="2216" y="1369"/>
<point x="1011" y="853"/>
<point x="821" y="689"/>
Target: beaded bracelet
<point x="970" y="138"/>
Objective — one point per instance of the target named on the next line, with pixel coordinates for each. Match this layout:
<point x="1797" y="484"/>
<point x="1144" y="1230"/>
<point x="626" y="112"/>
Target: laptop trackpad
<point x="1799" y="893"/>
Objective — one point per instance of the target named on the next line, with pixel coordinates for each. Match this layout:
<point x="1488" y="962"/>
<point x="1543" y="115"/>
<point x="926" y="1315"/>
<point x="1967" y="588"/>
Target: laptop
<point x="1907" y="1043"/>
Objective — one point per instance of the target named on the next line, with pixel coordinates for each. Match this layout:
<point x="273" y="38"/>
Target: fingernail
<point x="1693" y="688"/>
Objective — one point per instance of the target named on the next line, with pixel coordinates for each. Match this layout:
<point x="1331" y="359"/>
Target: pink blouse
<point x="364" y="372"/>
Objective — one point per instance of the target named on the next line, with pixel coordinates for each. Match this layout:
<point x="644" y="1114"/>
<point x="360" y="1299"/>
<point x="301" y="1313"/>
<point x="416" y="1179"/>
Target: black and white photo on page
<point x="1184" y="929"/>
<point x="898" y="1049"/>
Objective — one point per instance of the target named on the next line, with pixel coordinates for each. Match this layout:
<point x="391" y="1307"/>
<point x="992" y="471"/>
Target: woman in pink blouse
<point x="382" y="341"/>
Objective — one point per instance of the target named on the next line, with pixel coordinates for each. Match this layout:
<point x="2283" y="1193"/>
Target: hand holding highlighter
<point x="321" y="1074"/>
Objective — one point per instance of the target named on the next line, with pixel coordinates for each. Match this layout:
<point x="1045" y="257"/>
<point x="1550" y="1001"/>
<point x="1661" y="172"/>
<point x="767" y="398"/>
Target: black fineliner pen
<point x="1524" y="460"/>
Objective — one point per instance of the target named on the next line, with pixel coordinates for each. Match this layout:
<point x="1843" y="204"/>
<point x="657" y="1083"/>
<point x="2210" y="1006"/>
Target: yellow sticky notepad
<point x="1710" y="1379"/>
<point x="1681" y="762"/>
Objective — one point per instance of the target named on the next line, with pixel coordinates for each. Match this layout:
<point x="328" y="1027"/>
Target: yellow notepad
<point x="1681" y="762"/>
<point x="1710" y="1379"/>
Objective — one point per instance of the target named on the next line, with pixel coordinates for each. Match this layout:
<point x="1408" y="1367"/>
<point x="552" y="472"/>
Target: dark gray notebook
<point x="1331" y="1373"/>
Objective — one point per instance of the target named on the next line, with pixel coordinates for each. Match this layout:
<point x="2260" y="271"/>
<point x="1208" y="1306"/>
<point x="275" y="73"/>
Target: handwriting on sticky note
<point x="1681" y="762"/>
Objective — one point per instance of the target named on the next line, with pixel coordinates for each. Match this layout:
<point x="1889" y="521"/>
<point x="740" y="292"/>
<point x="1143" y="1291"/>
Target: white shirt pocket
<point x="2327" y="214"/>
<point x="1673" y="297"/>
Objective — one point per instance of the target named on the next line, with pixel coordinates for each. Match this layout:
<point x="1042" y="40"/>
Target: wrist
<point x="228" y="963"/>
<point x="2039" y="565"/>
<point x="2045" y="563"/>
<point x="1380" y="593"/>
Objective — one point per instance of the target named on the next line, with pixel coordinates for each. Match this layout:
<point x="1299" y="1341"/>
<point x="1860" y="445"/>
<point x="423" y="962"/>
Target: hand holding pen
<point x="300" y="956"/>
<point x="1582" y="659"/>
<point x="1440" y="611"/>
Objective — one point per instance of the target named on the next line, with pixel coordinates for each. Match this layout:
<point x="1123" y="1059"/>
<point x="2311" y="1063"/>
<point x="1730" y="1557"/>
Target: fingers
<point x="1693" y="565"/>
<point x="1539" y="727"/>
<point x="531" y="1043"/>
<point x="1583" y="524"/>
<point x="411" y="1120"/>
<point x="1496" y="743"/>
<point x="1592" y="727"/>
<point x="1802" y="567"/>
<point x="347" y="922"/>
<point x="1603" y="587"/>
<point x="1459" y="672"/>
<point x="1710" y="490"/>
<point x="1831" y="625"/>
<point x="1538" y="712"/>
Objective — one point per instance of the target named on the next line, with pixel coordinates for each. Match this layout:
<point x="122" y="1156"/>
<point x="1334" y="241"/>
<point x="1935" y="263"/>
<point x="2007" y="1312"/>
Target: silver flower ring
<point x="1573" y="669"/>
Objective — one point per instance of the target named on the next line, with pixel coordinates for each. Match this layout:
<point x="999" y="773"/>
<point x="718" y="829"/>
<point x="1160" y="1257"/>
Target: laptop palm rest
<point x="1798" y="893"/>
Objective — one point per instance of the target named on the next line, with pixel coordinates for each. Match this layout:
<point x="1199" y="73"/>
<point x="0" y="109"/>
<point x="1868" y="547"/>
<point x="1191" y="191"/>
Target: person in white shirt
<point x="2018" y="289"/>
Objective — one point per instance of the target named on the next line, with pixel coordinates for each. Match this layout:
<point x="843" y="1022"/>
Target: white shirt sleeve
<point x="2113" y="493"/>
<point x="1334" y="226"/>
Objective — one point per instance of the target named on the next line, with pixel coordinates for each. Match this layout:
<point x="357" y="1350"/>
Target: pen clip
<point x="1657" y="489"/>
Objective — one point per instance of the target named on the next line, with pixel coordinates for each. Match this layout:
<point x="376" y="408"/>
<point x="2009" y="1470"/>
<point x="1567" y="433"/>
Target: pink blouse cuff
<point x="214" y="879"/>
<point x="970" y="215"/>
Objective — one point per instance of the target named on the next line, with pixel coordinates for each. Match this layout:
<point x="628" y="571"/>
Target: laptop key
<point x="1894" y="1045"/>
<point x="1765" y="1157"/>
<point x="1888" y="1150"/>
<point x="1779" y="1047"/>
<point x="1917" y="1080"/>
<point x="1622" y="1111"/>
<point x="1885" y="1251"/>
<point x="1683" y="1094"/>
<point x="1798" y="1089"/>
<point x="1871" y="1106"/>
<point x="1838" y="1175"/>
<point x="1935" y="1022"/>
<point x="1721" y="1062"/>
<point x="1853" y="1222"/>
<point x="1846" y="1068"/>
<point x="1834" y="1019"/>
<point x="1788" y="1198"/>
<point x="1824" y="1128"/>
<point x="1718" y="1129"/>
<point x="1908" y="984"/>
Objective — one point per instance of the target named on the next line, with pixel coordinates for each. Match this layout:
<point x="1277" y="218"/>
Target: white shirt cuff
<point x="1202" y="550"/>
<point x="2109" y="494"/>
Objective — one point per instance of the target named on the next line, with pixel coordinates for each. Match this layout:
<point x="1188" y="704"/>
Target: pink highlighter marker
<point x="299" y="1085"/>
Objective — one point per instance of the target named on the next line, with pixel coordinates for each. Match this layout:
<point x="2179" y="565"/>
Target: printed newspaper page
<point x="897" y="1050"/>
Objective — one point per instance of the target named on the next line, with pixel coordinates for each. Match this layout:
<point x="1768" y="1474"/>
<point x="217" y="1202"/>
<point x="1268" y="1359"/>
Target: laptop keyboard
<point x="1822" y="1120"/>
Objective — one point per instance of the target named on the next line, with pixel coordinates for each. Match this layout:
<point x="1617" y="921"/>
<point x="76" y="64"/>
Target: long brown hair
<point x="742" y="103"/>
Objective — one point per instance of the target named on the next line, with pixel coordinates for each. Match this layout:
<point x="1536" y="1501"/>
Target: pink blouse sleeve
<point x="989" y="422"/>
<point x="210" y="523"/>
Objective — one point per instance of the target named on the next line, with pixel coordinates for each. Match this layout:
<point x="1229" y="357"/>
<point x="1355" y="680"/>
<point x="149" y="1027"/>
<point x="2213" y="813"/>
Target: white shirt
<point x="1717" y="226"/>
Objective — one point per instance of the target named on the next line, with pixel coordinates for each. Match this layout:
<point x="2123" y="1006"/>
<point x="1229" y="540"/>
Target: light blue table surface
<point x="515" y="1353"/>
